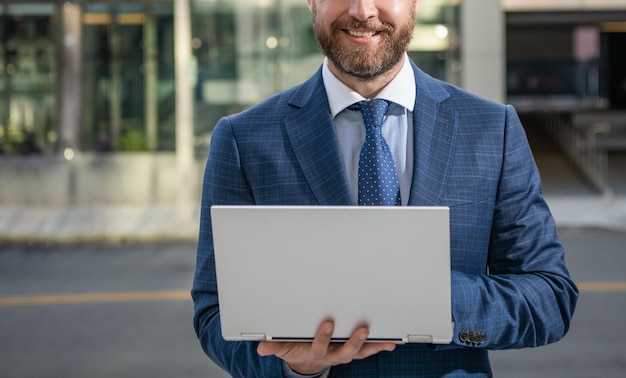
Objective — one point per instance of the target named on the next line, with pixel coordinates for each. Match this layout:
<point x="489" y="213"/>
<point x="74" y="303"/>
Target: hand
<point x="314" y="357"/>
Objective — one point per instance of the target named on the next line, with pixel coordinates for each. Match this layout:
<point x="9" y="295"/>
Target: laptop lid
<point x="283" y="270"/>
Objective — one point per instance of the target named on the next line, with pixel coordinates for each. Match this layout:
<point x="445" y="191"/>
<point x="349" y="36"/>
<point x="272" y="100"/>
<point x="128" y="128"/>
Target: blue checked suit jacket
<point x="510" y="285"/>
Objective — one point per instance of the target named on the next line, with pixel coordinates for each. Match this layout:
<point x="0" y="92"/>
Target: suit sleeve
<point x="527" y="297"/>
<point x="224" y="183"/>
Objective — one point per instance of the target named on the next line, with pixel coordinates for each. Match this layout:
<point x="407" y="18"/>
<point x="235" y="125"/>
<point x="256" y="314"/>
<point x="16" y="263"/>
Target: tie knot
<point x="373" y="111"/>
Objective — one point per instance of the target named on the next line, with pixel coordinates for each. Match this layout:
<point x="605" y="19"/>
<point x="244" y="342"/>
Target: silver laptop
<point x="283" y="270"/>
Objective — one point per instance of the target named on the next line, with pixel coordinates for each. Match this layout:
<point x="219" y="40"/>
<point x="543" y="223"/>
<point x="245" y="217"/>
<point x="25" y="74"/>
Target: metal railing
<point x="586" y="137"/>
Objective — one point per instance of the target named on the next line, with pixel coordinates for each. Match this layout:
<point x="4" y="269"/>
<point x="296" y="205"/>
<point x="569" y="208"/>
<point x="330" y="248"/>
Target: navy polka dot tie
<point x="378" y="178"/>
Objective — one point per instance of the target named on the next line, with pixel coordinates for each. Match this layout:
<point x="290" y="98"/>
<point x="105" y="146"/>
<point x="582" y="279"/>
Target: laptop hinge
<point x="253" y="337"/>
<point x="420" y="339"/>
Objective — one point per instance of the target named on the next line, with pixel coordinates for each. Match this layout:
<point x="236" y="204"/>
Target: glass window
<point x="27" y="78"/>
<point x="248" y="50"/>
<point x="129" y="77"/>
<point x="435" y="47"/>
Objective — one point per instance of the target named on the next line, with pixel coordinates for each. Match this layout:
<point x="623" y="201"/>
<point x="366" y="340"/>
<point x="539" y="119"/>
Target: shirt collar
<point x="401" y="90"/>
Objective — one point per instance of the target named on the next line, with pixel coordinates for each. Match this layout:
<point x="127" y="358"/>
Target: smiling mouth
<point x="362" y="34"/>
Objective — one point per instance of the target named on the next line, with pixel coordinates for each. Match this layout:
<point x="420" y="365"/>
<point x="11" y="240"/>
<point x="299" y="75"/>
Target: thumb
<point x="266" y="348"/>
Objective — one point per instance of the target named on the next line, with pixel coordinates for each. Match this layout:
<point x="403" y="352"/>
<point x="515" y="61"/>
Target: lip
<point x="362" y="36"/>
<point x="362" y="33"/>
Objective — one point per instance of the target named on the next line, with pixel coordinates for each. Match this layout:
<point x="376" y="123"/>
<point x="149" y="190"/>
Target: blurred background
<point x="107" y="109"/>
<point x="110" y="105"/>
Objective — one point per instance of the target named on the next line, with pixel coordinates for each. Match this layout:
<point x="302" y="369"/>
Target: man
<point x="510" y="286"/>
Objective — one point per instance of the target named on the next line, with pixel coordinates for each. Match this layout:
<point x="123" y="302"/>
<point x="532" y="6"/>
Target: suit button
<point x="473" y="337"/>
<point x="464" y="336"/>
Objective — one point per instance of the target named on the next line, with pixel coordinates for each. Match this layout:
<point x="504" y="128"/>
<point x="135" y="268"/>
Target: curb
<point x="94" y="224"/>
<point x="119" y="224"/>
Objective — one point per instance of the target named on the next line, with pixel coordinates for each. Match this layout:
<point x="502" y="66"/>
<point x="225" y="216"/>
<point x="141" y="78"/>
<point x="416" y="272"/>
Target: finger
<point x="268" y="348"/>
<point x="370" y="349"/>
<point x="351" y="348"/>
<point x="319" y="347"/>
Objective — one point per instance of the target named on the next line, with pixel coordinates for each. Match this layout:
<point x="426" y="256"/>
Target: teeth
<point x="355" y="33"/>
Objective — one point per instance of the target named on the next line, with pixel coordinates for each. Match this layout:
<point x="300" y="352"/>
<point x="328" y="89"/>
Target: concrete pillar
<point x="184" y="72"/>
<point x="70" y="83"/>
<point x="483" y="53"/>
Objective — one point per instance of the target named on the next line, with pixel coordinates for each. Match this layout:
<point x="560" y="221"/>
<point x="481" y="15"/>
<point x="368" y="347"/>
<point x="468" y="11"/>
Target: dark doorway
<point x="614" y="54"/>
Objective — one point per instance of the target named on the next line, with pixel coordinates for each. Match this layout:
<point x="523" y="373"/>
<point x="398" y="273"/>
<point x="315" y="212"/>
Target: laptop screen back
<point x="283" y="270"/>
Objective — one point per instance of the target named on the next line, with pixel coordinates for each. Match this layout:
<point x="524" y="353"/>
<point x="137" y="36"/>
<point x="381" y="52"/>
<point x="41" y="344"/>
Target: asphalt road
<point x="94" y="310"/>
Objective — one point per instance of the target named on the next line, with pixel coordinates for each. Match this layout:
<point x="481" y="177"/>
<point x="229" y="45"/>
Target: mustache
<point x="367" y="24"/>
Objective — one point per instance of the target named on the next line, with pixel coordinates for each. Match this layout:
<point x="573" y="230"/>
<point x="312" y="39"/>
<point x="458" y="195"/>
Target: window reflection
<point x="129" y="77"/>
<point x="245" y="50"/>
<point x="27" y="79"/>
<point x="249" y="50"/>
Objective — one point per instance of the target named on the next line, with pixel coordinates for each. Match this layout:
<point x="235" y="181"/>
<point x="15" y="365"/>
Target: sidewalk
<point x="121" y="224"/>
<point x="589" y="212"/>
<point x="97" y="223"/>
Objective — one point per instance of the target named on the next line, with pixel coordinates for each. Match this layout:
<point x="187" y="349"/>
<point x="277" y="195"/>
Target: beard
<point x="361" y="61"/>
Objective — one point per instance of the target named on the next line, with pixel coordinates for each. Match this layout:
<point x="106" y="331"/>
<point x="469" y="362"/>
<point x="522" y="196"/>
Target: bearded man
<point x="510" y="286"/>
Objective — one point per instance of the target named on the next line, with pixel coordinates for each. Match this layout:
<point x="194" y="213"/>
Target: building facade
<point x="88" y="89"/>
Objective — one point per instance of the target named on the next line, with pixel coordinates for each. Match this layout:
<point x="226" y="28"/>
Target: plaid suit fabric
<point x="470" y="154"/>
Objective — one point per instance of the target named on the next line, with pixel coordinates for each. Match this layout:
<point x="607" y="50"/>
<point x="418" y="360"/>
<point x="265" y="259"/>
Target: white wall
<point x="137" y="179"/>
<point x="483" y="52"/>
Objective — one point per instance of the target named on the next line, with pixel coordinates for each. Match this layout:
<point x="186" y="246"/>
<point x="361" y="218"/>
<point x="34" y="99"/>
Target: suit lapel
<point x="434" y="130"/>
<point x="314" y="141"/>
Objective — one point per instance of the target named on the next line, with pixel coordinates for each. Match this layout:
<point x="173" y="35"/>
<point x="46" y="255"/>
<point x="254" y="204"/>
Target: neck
<point x="366" y="87"/>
